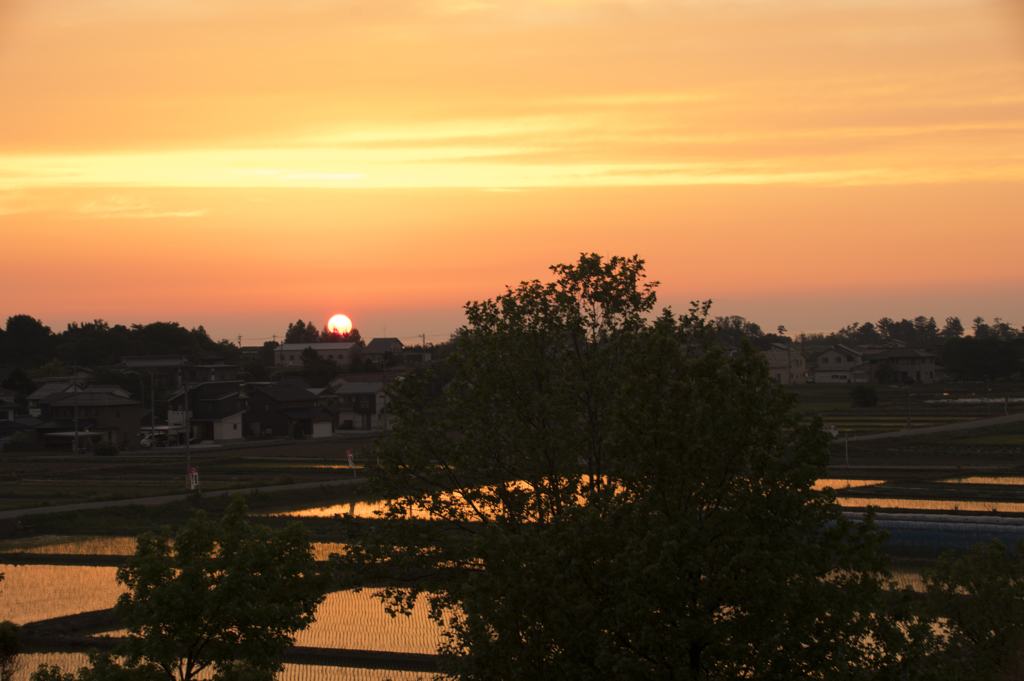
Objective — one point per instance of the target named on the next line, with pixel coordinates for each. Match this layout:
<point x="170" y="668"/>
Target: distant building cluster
<point x="208" y="402"/>
<point x="890" y="363"/>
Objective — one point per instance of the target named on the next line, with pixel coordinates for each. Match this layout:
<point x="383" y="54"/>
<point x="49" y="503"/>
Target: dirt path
<point x="152" y="501"/>
<point x="964" y="425"/>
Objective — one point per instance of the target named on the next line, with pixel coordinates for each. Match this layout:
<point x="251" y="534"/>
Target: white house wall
<point x="228" y="429"/>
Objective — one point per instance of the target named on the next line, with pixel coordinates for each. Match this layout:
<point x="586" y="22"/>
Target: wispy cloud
<point x="125" y="207"/>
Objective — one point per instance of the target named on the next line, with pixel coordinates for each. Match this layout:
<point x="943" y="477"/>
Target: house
<point x="47" y="393"/>
<point x="215" y="410"/>
<point x="374" y="376"/>
<point x="380" y="349"/>
<point x="787" y="364"/>
<point x="7" y="395"/>
<point x="842" y="364"/>
<point x="286" y="411"/>
<point x="876" y="364"/>
<point x="251" y="353"/>
<point x="77" y="373"/>
<point x="904" y="365"/>
<point x="23" y="427"/>
<point x="290" y="354"/>
<point x="100" y="417"/>
<point x="36" y="397"/>
<point x="178" y="370"/>
<point x="361" y="405"/>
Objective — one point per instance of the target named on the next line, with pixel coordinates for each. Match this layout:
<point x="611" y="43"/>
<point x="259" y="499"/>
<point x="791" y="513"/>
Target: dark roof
<point x="287" y="393"/>
<point x="369" y="377"/>
<point x="20" y="423"/>
<point x="897" y="353"/>
<point x="846" y="351"/>
<point x="362" y="388"/>
<point x="294" y="381"/>
<point x="48" y="389"/>
<point x="154" y="361"/>
<point x="93" y="400"/>
<point x="218" y="396"/>
<point x="6" y="370"/>
<point x="299" y="347"/>
<point x="306" y="413"/>
<point x="109" y="389"/>
<point x="5" y="391"/>
<point x="216" y="419"/>
<point x="378" y="346"/>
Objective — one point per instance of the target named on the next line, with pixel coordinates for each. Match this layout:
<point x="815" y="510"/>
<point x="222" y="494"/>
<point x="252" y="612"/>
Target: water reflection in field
<point x="71" y="545"/>
<point x="840" y="484"/>
<point x="975" y="480"/>
<point x="292" y="672"/>
<point x="357" y="509"/>
<point x="347" y="619"/>
<point x="933" y="505"/>
<point x="38" y="592"/>
<point x="109" y="546"/>
<point x="357" y="620"/>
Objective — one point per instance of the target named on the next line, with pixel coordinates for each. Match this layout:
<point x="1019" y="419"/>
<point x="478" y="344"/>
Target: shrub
<point x="864" y="396"/>
<point x="105" y="449"/>
<point x="10" y="648"/>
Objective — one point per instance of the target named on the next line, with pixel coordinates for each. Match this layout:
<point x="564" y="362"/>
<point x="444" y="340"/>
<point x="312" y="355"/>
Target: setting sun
<point x="339" y="324"/>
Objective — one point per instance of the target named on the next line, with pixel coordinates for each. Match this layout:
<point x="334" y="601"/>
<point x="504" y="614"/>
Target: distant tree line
<point x="991" y="351"/>
<point x="302" y="332"/>
<point x="27" y="343"/>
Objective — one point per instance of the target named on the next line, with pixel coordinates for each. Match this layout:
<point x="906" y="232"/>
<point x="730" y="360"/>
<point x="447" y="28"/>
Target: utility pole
<point x="74" y="383"/>
<point x="188" y="452"/>
<point x="384" y="385"/>
<point x="909" y="420"/>
<point x="152" y="404"/>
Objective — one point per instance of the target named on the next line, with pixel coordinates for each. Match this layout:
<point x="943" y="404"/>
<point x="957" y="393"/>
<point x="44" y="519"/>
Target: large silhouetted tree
<point x="619" y="497"/>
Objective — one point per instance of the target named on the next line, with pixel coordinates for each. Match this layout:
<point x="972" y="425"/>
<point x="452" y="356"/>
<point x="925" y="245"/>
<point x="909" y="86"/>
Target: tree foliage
<point x="981" y="597"/>
<point x="226" y="597"/>
<point x="620" y="498"/>
<point x="10" y="648"/>
<point x="735" y="329"/>
<point x="28" y="343"/>
<point x="985" y="358"/>
<point x="300" y="332"/>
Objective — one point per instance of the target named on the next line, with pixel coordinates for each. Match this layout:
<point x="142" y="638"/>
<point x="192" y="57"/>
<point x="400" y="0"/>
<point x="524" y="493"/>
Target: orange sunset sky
<point x="242" y="164"/>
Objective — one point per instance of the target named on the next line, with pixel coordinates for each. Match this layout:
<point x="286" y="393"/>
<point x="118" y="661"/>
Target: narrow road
<point x="152" y="501"/>
<point x="965" y="425"/>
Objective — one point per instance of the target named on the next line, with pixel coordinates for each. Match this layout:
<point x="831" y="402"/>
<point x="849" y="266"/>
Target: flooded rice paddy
<point x="110" y="546"/>
<point x="933" y="504"/>
<point x="292" y="672"/>
<point x="37" y="592"/>
<point x="357" y="620"/>
<point x="979" y="480"/>
<point x="371" y="509"/>
<point x="840" y="484"/>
